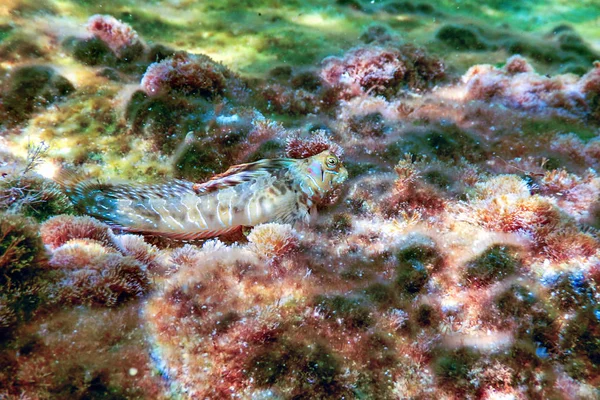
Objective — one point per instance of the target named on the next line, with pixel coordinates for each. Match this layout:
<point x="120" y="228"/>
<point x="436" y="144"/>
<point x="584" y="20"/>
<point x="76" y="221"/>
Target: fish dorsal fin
<point x="68" y="178"/>
<point x="242" y="173"/>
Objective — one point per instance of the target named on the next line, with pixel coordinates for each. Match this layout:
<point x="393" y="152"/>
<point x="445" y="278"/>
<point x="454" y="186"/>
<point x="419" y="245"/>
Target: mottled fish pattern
<point x="274" y="190"/>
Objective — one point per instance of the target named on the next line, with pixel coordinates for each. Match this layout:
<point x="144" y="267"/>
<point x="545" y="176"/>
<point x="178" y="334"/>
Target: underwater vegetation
<point x="458" y="259"/>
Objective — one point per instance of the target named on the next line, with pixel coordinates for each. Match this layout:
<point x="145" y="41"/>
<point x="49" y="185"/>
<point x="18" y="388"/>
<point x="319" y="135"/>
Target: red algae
<point x="60" y="229"/>
<point x="118" y="35"/>
<point x="518" y="86"/>
<point x="187" y="74"/>
<point x="304" y="147"/>
<point x="95" y="275"/>
<point x="376" y="69"/>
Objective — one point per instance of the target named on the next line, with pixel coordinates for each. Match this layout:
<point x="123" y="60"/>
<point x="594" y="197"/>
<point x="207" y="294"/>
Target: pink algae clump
<point x="96" y="275"/>
<point x="187" y="74"/>
<point x="273" y="241"/>
<point x="117" y="35"/>
<point x="364" y="68"/>
<point x="60" y="229"/>
<point x="302" y="147"/>
<point x="377" y="69"/>
<point x="518" y="86"/>
<point x="88" y="266"/>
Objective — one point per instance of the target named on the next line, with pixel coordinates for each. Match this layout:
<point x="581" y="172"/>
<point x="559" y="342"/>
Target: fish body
<point x="274" y="190"/>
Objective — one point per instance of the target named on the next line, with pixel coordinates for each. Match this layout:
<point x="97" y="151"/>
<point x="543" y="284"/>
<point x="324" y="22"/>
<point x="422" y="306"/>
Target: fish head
<point x="324" y="173"/>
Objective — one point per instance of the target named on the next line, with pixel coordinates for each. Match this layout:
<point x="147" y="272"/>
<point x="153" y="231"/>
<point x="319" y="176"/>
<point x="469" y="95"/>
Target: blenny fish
<point x="280" y="190"/>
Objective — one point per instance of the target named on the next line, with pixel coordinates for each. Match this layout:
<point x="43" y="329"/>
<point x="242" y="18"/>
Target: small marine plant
<point x="23" y="261"/>
<point x="24" y="192"/>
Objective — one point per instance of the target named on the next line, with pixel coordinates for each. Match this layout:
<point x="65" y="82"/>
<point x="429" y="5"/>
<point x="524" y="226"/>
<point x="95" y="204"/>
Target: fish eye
<point x="331" y="161"/>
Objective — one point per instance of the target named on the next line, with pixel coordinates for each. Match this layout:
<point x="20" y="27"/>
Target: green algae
<point x="93" y="52"/>
<point x="352" y="311"/>
<point x="33" y="87"/>
<point x="497" y="262"/>
<point x="199" y="162"/>
<point x="35" y="197"/>
<point x="381" y="294"/>
<point x="22" y="259"/>
<point x="551" y="126"/>
<point x="5" y="32"/>
<point x="414" y="265"/>
<point x="460" y="38"/>
<point x="581" y="338"/>
<point x="152" y="27"/>
<point x="516" y="301"/>
<point x="452" y="367"/>
<point x="313" y="368"/>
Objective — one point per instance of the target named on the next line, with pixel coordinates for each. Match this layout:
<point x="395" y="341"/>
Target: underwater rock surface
<point x="459" y="260"/>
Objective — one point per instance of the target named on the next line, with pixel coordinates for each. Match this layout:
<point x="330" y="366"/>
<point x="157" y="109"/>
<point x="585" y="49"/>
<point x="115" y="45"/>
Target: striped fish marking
<point x="273" y="190"/>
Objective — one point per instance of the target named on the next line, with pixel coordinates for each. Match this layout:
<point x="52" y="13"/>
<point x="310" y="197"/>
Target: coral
<point x="381" y="70"/>
<point x="120" y="38"/>
<point x="96" y="275"/>
<point x="31" y="88"/>
<point x="189" y="74"/>
<point x="60" y="229"/>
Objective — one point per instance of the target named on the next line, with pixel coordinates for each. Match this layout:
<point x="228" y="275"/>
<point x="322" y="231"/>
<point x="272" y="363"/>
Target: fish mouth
<point x="342" y="176"/>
